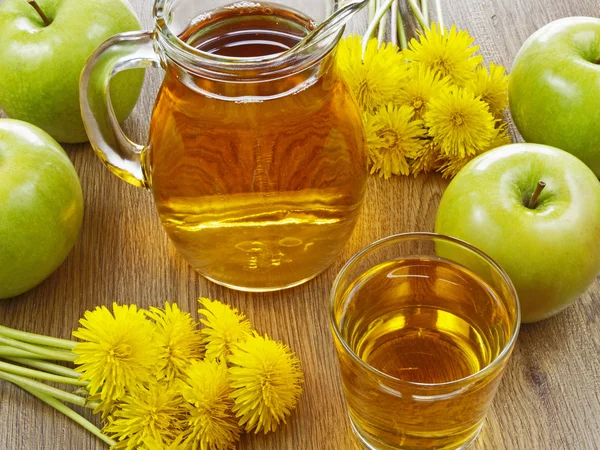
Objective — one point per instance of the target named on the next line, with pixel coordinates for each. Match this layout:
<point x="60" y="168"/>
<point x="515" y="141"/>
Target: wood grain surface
<point x="549" y="398"/>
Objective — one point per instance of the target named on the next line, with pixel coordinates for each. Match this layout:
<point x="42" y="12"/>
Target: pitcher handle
<point x="123" y="51"/>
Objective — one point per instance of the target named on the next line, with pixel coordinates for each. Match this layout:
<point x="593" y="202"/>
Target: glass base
<point x="368" y="443"/>
<point x="261" y="289"/>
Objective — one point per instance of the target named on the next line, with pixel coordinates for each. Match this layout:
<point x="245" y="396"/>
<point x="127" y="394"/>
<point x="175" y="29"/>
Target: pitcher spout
<point x="332" y="26"/>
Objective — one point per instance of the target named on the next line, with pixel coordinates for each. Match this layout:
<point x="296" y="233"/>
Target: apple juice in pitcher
<point x="258" y="179"/>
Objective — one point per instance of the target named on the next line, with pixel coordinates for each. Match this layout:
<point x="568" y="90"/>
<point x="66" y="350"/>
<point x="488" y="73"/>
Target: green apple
<point x="40" y="64"/>
<point x="554" y="88"/>
<point x="41" y="206"/>
<point x="550" y="248"/>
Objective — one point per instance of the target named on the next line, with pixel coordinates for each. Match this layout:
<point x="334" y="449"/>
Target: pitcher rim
<point x="194" y="60"/>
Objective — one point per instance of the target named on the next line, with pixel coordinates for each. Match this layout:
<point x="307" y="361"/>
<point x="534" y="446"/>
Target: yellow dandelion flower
<point x="212" y="424"/>
<point x="392" y="138"/>
<point x="448" y="53"/>
<point x="501" y="138"/>
<point x="119" y="351"/>
<point x="106" y="406"/>
<point x="450" y="165"/>
<point x="154" y="412"/>
<point x="154" y="444"/>
<point x="266" y="376"/>
<point x="374" y="142"/>
<point x="225" y="326"/>
<point x="426" y="159"/>
<point x="460" y="123"/>
<point x="179" y="341"/>
<point x="419" y="88"/>
<point x="374" y="80"/>
<point x="492" y="87"/>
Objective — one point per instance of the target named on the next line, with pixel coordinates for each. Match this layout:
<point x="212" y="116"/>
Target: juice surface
<point x="425" y="320"/>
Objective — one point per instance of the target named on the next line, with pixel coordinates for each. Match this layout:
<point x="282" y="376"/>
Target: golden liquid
<point x="422" y="320"/>
<point x="258" y="183"/>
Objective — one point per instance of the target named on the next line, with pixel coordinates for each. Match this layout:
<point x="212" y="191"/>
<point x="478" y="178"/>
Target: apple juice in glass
<point x="256" y="156"/>
<point x="423" y="326"/>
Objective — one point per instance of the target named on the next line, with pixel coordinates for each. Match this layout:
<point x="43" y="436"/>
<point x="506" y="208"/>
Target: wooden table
<point x="549" y="398"/>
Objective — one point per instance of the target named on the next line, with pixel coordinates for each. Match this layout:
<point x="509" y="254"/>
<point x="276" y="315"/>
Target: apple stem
<point x="40" y="12"/>
<point x="538" y="190"/>
<point x="597" y="60"/>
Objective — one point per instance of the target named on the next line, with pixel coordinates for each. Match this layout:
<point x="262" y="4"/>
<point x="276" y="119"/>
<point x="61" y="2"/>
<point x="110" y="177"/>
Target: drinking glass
<point x="256" y="156"/>
<point x="423" y="325"/>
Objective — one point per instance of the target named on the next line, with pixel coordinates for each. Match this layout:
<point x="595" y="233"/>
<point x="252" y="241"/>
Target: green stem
<point x="37" y="339"/>
<point x="376" y="32"/>
<point x="418" y="15"/>
<point x="46" y="366"/>
<point x="382" y="28"/>
<point x="38" y="374"/>
<point x="49" y="390"/>
<point x="440" y="15"/>
<point x="394" y="23"/>
<point x="69" y="413"/>
<point x="11" y="352"/>
<point x="425" y="10"/>
<point x="372" y="9"/>
<point x="401" y="32"/>
<point x="57" y="355"/>
<point x="92" y="405"/>
<point x="371" y="29"/>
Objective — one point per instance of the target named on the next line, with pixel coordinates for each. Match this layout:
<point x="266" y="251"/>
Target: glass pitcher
<point x="256" y="154"/>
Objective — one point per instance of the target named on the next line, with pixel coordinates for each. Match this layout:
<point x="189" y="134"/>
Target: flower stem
<point x="425" y="10"/>
<point x="394" y="23"/>
<point x="38" y="374"/>
<point x="48" y="390"/>
<point x="92" y="405"/>
<point x="440" y="15"/>
<point x="417" y="13"/>
<point x="382" y="27"/>
<point x="401" y="31"/>
<point x="69" y="413"/>
<point x="44" y="17"/>
<point x="372" y="9"/>
<point x="11" y="352"/>
<point x="37" y="339"/>
<point x="46" y="366"/>
<point x="371" y="29"/>
<point x="57" y="355"/>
